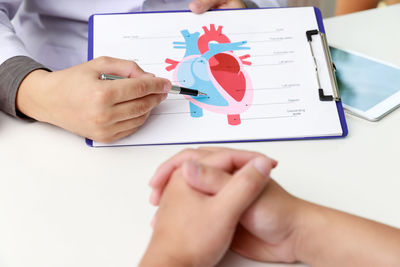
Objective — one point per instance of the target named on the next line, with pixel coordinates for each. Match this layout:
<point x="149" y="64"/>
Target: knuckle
<point x="103" y="60"/>
<point x="102" y="136"/>
<point x="107" y="140"/>
<point x="133" y="131"/>
<point x="123" y="134"/>
<point x="149" y="75"/>
<point x="135" y="66"/>
<point x="100" y="118"/>
<point x="188" y="152"/>
<point x="160" y="98"/>
<point x="102" y="97"/>
<point x="141" y="120"/>
<point x="137" y="122"/>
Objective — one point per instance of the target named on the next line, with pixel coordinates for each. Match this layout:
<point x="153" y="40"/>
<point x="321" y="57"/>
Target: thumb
<point x="244" y="187"/>
<point x="201" y="6"/>
<point x="203" y="178"/>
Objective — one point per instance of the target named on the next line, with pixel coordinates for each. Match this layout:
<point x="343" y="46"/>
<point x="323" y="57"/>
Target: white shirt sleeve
<point x="11" y="45"/>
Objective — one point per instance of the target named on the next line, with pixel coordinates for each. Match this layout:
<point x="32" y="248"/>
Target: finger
<point x="129" y="124"/>
<point x="123" y="134"/>
<point x="137" y="107"/>
<point x="225" y="159"/>
<point x="203" y="178"/>
<point x="155" y="196"/>
<point x="244" y="187"/>
<point x="148" y="74"/>
<point x="128" y="89"/>
<point x="165" y="170"/>
<point x="229" y="160"/>
<point x="201" y="6"/>
<point x="206" y="179"/>
<point x="116" y="66"/>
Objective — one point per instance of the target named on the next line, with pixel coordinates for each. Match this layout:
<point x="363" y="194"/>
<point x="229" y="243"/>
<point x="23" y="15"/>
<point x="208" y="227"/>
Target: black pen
<point x="174" y="90"/>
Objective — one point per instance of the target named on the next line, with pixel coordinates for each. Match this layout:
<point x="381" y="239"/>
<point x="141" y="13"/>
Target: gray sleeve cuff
<point x="250" y="4"/>
<point x="12" y="72"/>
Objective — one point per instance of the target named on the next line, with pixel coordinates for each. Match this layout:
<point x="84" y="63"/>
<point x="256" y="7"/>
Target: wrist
<point x="30" y="93"/>
<point x="159" y="254"/>
<point x="310" y="226"/>
<point x="155" y="260"/>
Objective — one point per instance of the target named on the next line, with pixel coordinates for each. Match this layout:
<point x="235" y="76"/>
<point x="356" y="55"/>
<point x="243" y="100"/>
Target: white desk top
<point x="65" y="204"/>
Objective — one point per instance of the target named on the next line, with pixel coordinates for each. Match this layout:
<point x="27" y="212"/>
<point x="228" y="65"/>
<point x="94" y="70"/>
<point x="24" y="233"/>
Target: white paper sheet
<point x="280" y="98"/>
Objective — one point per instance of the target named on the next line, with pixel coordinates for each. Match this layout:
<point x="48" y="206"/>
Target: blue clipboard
<point x="320" y="29"/>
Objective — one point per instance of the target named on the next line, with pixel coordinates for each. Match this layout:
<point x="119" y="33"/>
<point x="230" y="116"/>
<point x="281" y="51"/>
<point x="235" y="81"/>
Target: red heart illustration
<point x="226" y="71"/>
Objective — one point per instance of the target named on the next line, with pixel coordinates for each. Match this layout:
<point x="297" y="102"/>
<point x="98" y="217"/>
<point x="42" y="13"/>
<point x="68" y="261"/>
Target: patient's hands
<point x="196" y="229"/>
<point x="276" y="226"/>
<point x="76" y="100"/>
<point x="267" y="228"/>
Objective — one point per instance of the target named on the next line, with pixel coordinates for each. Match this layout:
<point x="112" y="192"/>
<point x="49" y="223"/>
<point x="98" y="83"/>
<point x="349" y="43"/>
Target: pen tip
<point x="203" y="94"/>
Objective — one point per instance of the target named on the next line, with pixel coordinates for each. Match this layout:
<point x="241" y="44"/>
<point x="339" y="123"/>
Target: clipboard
<point x="323" y="71"/>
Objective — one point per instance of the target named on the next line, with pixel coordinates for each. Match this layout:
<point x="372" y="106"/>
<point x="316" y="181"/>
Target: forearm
<point x="12" y="73"/>
<point x="152" y="259"/>
<point x="32" y="96"/>
<point x="333" y="238"/>
<point x="392" y="2"/>
<point x="349" y="6"/>
<point x="157" y="255"/>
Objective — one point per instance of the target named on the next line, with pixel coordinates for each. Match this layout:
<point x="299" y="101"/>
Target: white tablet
<point x="369" y="88"/>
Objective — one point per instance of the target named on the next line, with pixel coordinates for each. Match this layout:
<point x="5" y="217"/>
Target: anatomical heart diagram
<point x="211" y="65"/>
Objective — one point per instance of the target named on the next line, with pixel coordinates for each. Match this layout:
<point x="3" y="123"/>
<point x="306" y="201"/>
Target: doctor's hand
<point x="77" y="100"/>
<point x="201" y="6"/>
<point x="196" y="229"/>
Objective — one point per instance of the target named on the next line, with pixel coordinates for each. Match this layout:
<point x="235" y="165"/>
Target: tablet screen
<point x="364" y="83"/>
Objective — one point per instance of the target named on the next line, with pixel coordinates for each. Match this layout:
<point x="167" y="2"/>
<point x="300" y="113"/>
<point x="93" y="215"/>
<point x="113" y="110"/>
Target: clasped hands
<point x="213" y="199"/>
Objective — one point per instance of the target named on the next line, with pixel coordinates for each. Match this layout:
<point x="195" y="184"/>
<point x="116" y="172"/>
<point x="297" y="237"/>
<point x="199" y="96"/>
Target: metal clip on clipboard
<point x="331" y="67"/>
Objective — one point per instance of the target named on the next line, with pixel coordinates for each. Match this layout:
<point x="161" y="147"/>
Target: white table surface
<point x="65" y="204"/>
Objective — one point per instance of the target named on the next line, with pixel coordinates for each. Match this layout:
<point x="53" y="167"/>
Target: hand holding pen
<point x="76" y="100"/>
<point x="174" y="89"/>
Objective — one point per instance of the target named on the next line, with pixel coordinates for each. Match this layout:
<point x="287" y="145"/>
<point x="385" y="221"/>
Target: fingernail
<point x="274" y="163"/>
<point x="197" y="5"/>
<point x="262" y="165"/>
<point x="164" y="97"/>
